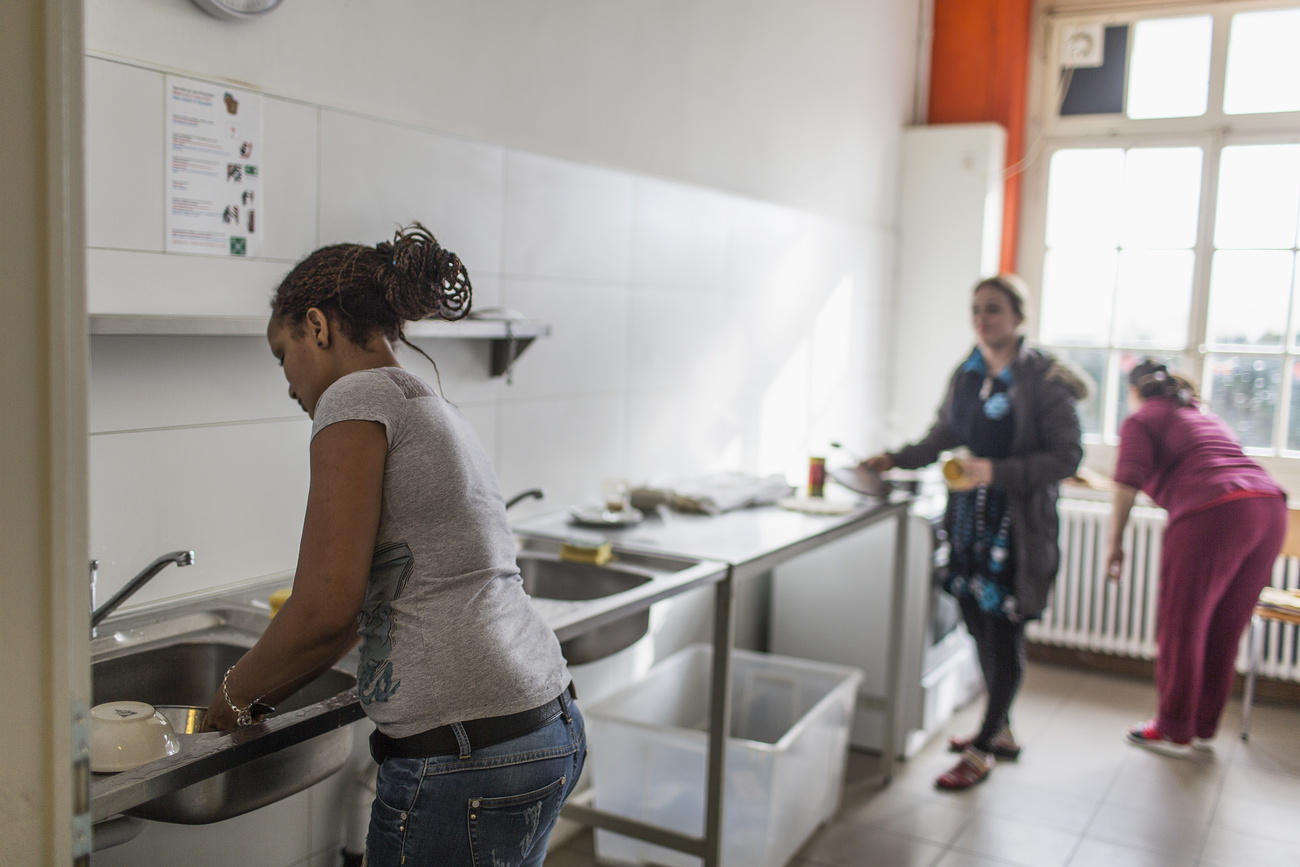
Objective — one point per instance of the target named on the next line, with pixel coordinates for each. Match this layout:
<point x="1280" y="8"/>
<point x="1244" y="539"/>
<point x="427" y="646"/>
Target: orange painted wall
<point x="979" y="72"/>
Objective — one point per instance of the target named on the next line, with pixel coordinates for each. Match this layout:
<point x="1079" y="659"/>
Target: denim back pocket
<point x="390" y="568"/>
<point x="505" y="830"/>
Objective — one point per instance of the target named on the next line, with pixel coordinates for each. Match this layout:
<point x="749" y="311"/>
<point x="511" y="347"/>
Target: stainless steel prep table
<point x="751" y="542"/>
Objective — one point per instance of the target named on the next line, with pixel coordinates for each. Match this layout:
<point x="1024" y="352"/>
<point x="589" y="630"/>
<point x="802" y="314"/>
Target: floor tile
<point x="957" y="858"/>
<point x="1246" y="780"/>
<point x="1186" y="787"/>
<point x="1227" y="848"/>
<point x="848" y="844"/>
<point x="1098" y="853"/>
<point x="1274" y="819"/>
<point x="1047" y="807"/>
<point x="1154" y="830"/>
<point x="1017" y="842"/>
<point x="933" y="820"/>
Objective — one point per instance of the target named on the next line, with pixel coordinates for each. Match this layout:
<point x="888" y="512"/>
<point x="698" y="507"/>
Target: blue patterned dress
<point x="982" y="560"/>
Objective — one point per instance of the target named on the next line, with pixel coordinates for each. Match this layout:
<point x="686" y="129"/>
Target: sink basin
<point x="547" y="577"/>
<point x="188" y="674"/>
<point x="179" y="660"/>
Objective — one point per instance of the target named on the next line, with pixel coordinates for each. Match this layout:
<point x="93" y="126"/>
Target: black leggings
<point x="1001" y="647"/>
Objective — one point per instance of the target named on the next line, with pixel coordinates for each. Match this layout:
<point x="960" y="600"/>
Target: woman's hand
<point x="878" y="463"/>
<point x="976" y="471"/>
<point x="220" y="716"/>
<point x="1114" y="563"/>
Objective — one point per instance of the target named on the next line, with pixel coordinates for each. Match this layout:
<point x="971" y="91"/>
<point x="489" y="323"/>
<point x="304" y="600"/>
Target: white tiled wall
<point x="692" y="330"/>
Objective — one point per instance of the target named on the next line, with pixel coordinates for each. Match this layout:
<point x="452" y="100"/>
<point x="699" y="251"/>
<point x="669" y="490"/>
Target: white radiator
<point x="1090" y="613"/>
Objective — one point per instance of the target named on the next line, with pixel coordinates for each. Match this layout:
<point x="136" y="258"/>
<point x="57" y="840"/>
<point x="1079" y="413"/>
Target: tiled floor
<point x="1079" y="796"/>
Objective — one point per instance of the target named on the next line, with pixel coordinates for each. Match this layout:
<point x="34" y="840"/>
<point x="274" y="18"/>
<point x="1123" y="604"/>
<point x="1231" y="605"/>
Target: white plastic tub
<point x="785" y="755"/>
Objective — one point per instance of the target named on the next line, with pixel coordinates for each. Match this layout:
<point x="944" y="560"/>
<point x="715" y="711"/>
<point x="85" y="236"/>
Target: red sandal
<point x="973" y="767"/>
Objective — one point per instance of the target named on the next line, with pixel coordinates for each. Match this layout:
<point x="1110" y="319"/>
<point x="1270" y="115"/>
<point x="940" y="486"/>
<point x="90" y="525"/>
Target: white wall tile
<point x="678" y="432"/>
<point x="124" y="156"/>
<point x="686" y="339"/>
<point x="146" y="382"/>
<point x="235" y="494"/>
<point x="563" y="446"/>
<point x="767" y="247"/>
<point x="680" y="235"/>
<point x="289" y="184"/>
<point x="123" y="281"/>
<point x="376" y="175"/>
<point x="566" y="220"/>
<point x="463" y="365"/>
<point x="585" y="352"/>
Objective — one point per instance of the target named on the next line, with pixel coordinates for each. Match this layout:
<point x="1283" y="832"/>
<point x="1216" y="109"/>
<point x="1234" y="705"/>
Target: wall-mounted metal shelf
<point x="510" y="335"/>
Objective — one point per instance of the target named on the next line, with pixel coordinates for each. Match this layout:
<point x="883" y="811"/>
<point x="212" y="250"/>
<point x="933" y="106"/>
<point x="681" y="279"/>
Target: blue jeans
<point x="493" y="809"/>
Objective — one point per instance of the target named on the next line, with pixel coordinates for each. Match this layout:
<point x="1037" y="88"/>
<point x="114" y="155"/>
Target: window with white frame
<point x="1167" y="222"/>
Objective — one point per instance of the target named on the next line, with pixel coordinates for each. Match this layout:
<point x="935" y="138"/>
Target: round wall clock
<point x="234" y="10"/>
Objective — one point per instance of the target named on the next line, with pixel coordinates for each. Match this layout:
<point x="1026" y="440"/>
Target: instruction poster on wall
<point x="214" y="169"/>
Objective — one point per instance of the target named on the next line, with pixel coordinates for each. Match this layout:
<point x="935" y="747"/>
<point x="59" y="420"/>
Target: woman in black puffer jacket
<point x="1013" y="407"/>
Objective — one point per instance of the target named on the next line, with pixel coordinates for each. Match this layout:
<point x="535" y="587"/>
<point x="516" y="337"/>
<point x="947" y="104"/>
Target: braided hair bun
<point x="420" y="278"/>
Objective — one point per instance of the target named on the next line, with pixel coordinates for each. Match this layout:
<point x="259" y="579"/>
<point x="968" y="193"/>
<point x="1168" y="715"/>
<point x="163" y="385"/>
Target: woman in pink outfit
<point x="1226" y="520"/>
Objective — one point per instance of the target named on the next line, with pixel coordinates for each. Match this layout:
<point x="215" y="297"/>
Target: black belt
<point x="480" y="733"/>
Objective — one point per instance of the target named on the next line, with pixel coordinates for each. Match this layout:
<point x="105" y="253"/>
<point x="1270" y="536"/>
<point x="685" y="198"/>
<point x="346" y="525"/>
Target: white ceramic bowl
<point x="126" y="734"/>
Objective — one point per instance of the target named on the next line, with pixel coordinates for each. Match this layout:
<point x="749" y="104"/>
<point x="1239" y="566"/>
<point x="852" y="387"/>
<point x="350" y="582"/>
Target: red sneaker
<point x="1004" y="745"/>
<point x="1147" y="735"/>
<point x="973" y="767"/>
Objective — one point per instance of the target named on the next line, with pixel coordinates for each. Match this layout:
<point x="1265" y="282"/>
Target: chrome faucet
<point x="534" y="493"/>
<point x="180" y="558"/>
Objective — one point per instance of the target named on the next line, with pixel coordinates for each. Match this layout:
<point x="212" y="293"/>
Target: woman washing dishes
<point x="405" y="541"/>
<point x="1013" y="407"/>
<point x="1226" y="522"/>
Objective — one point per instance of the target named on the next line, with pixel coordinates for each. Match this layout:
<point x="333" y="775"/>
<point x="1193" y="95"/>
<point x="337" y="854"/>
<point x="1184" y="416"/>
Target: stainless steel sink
<point x="557" y="585"/>
<point x="552" y="578"/>
<point x="178" y="657"/>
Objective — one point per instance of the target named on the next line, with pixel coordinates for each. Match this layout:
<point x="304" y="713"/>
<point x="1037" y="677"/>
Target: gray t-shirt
<point x="447" y="632"/>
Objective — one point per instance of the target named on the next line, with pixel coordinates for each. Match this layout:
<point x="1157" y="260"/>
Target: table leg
<point x="889" y="751"/>
<point x="1254" y="649"/>
<point x="724" y="601"/>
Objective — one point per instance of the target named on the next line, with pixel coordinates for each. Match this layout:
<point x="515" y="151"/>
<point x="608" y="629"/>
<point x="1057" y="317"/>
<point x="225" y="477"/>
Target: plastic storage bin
<point x="785" y="755"/>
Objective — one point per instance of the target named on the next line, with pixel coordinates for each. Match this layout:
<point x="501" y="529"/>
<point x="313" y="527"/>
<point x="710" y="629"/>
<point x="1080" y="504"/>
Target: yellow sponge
<point x="597" y="553"/>
<point x="277" y="599"/>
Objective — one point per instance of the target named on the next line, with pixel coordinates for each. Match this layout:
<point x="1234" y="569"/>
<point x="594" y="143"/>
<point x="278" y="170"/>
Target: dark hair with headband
<point x="1153" y="379"/>
<point x="1009" y="285"/>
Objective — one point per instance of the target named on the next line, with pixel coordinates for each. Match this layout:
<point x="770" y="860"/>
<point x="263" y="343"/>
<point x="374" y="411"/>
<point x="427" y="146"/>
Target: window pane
<point x="1083" y="187"/>
<point x="1077" y="290"/>
<point x="1293" y="423"/>
<point x="1263" y="63"/>
<point x="1249" y="292"/>
<point x="1169" y="73"/>
<point x="1162" y="191"/>
<point x="1153" y="301"/>
<point x="1093" y="363"/>
<point x="1099" y="90"/>
<point x="1259" y="197"/>
<point x="1127" y="361"/>
<point x="1243" y="392"/>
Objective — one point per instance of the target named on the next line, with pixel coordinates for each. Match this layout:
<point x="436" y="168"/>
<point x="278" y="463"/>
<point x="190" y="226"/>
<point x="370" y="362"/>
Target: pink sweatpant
<point x="1213" y="565"/>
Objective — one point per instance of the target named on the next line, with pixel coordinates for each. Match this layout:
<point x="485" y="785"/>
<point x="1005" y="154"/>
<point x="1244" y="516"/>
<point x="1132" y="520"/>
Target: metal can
<point x="816" y="477"/>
